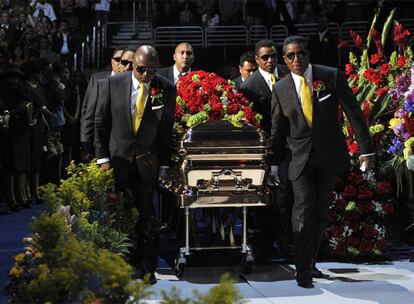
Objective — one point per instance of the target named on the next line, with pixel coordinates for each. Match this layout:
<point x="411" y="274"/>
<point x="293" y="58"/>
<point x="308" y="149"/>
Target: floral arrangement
<point x="78" y="247"/>
<point x="359" y="216"/>
<point x="203" y="96"/>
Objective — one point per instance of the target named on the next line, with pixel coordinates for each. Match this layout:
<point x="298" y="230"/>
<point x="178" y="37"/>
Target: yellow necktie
<point x="307" y="106"/>
<point x="139" y="107"/>
<point x="273" y="79"/>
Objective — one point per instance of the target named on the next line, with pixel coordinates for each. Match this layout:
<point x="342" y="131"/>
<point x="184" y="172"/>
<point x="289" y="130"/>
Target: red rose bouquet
<point x="203" y="96"/>
<point x="358" y="218"/>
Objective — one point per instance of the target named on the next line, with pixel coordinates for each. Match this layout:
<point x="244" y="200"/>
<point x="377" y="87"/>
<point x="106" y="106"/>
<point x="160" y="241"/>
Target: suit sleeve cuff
<point x="102" y="160"/>
<point x="368" y="154"/>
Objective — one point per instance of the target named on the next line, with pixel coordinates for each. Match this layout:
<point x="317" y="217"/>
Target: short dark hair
<point x="119" y="48"/>
<point x="129" y="49"/>
<point x="296" y="39"/>
<point x="264" y="43"/>
<point x="247" y="56"/>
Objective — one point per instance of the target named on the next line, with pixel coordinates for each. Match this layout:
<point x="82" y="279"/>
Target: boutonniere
<point x="155" y="95"/>
<point x="318" y="86"/>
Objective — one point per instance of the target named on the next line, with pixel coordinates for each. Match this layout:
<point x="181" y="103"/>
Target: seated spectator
<point x="230" y="12"/>
<point x="210" y="18"/>
<point x="308" y="15"/>
<point x="48" y="11"/>
<point x="45" y="51"/>
<point x="9" y="28"/>
<point x="102" y="9"/>
<point x="18" y="57"/>
<point x="5" y="46"/>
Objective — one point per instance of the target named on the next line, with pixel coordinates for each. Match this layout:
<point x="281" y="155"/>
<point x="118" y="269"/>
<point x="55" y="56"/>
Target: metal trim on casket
<point x="217" y="164"/>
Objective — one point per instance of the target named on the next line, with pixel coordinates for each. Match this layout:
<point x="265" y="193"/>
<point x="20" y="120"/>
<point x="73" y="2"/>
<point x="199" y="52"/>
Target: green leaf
<point x="380" y="106"/>
<point x="374" y="21"/>
<point x="387" y="26"/>
<point x="351" y="206"/>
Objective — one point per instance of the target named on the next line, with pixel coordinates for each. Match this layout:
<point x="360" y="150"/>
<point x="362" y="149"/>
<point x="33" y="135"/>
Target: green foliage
<point x="224" y="293"/>
<point x="83" y="274"/>
<point x="104" y="236"/>
<point x="48" y="231"/>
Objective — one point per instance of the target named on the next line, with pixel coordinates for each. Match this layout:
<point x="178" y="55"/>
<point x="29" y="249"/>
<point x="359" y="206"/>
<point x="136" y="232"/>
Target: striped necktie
<point x="139" y="107"/>
<point x="306" y="99"/>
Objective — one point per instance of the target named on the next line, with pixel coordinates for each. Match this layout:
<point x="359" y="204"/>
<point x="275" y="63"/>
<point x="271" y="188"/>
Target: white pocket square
<point x="157" y="107"/>
<point x="324" y="97"/>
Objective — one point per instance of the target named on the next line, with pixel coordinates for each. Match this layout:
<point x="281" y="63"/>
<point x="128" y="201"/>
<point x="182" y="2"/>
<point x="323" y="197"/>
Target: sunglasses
<point x="143" y="69"/>
<point x="117" y="59"/>
<point x="125" y="62"/>
<point x="300" y="55"/>
<point x="266" y="57"/>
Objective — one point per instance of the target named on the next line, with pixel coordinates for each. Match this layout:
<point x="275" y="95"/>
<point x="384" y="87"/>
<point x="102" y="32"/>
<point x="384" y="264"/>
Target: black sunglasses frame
<point x="143" y="69"/>
<point x="125" y="62"/>
<point x="266" y="57"/>
<point x="300" y="54"/>
<point x="117" y="59"/>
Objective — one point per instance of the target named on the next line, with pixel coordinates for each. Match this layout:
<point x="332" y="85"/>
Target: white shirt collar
<point x="308" y="75"/>
<point x="322" y="34"/>
<point x="267" y="76"/>
<point x="177" y="73"/>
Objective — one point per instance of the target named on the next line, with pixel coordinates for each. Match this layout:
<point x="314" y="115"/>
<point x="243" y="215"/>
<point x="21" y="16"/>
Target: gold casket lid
<point x="221" y="134"/>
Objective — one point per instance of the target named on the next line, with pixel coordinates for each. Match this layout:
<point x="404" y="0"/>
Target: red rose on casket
<point x="203" y="96"/>
<point x="349" y="191"/>
<point x="366" y="246"/>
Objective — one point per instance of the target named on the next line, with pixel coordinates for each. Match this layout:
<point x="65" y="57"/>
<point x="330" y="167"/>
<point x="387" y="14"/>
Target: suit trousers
<point x="312" y="194"/>
<point x="128" y="180"/>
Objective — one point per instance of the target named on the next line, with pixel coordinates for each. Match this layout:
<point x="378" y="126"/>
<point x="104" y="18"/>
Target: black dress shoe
<point x="306" y="284"/>
<point x="149" y="277"/>
<point x="316" y="273"/>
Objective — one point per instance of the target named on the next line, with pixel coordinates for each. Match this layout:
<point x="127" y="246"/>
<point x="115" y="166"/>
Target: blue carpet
<point x="13" y="228"/>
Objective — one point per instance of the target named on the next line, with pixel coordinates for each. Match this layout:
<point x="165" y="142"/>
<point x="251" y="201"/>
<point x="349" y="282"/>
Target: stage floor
<point x="343" y="283"/>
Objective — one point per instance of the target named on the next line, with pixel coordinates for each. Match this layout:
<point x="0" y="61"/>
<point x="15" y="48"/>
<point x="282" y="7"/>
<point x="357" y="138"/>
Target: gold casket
<point x="216" y="163"/>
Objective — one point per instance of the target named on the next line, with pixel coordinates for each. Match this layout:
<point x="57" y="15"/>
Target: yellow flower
<point x="393" y="122"/>
<point x="375" y="129"/>
<point x="408" y="147"/>
<point x="17" y="272"/>
<point x="19" y="258"/>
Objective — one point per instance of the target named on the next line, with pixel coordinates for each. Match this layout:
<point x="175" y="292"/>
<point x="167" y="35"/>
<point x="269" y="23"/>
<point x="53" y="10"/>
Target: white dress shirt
<point x="268" y="77"/>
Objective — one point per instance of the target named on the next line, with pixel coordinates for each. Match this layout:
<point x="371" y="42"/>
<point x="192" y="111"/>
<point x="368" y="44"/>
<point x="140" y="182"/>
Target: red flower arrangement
<point x="203" y="96"/>
<point x="358" y="217"/>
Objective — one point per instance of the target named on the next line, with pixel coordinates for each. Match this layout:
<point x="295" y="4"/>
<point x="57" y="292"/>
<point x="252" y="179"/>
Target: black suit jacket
<point x="256" y="90"/>
<point x="167" y="72"/>
<point x="89" y="106"/>
<point x="114" y="135"/>
<point x="325" y="137"/>
<point x="238" y="82"/>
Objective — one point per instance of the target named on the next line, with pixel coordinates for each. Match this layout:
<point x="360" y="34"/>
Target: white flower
<point x="410" y="162"/>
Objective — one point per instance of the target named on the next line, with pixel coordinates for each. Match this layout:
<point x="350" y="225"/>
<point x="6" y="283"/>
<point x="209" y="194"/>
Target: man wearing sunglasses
<point x="273" y="221"/>
<point x="125" y="64"/>
<point x="306" y="117"/>
<point x="183" y="60"/>
<point x="90" y="100"/>
<point x="133" y="124"/>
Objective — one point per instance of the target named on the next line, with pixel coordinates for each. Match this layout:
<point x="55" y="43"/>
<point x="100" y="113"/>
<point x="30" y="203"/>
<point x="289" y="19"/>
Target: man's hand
<point x="274" y="175"/>
<point x="366" y="162"/>
<point x="106" y="166"/>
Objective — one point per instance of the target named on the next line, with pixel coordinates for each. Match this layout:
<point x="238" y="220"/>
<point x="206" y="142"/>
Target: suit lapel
<point x="125" y="90"/>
